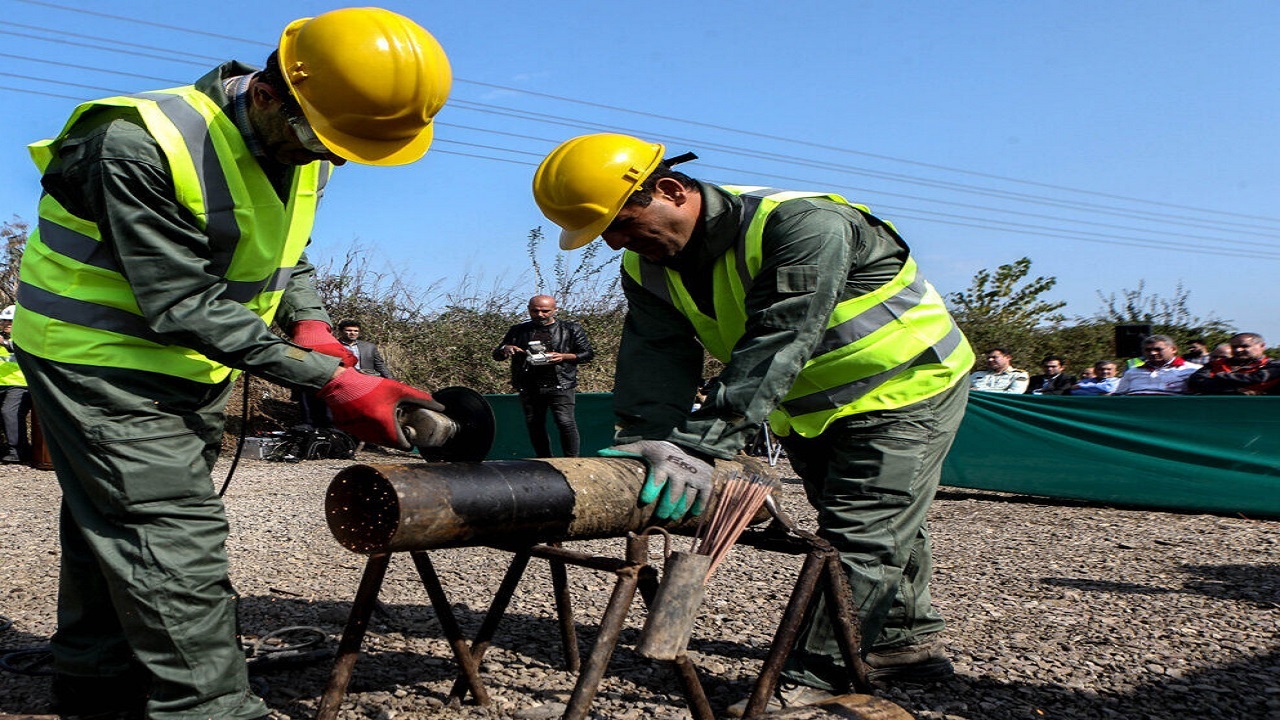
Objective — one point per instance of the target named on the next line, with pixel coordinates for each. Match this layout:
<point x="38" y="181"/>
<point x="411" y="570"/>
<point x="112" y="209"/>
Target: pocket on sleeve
<point x="797" y="279"/>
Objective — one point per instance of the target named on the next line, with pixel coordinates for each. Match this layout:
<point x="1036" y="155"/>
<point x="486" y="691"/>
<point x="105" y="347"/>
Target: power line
<point x="91" y="46"/>
<point x="68" y="33"/>
<point x="722" y="128"/>
<point x="849" y="151"/>
<point x="937" y="201"/>
<point x="543" y="117"/>
<point x="990" y="224"/>
<point x="39" y="92"/>
<point x="124" y="18"/>
<point x="60" y="82"/>
<point x="498" y="111"/>
<point x="1083" y="235"/>
<point x="895" y="177"/>
<point x="75" y="66"/>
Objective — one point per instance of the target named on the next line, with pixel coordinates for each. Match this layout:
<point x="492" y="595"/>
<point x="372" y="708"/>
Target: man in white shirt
<point x="1164" y="373"/>
<point x="1000" y="375"/>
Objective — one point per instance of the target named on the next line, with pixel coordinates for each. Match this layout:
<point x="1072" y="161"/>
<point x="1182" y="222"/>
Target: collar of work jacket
<point x="714" y="235"/>
<point x="214" y="84"/>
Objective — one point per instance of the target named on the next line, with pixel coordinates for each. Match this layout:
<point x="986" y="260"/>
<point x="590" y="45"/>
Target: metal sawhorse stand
<point x="820" y="573"/>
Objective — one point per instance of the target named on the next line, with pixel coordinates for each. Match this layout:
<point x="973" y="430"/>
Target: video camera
<point x="537" y="353"/>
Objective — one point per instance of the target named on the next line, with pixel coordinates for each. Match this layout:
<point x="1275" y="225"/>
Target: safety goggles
<point x="305" y="133"/>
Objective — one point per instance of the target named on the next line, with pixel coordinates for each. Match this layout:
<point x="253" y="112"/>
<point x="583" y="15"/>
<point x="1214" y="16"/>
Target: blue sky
<point x="1110" y="142"/>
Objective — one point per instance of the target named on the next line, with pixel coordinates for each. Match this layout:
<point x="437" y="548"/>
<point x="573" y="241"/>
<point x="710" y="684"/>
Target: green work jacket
<point x="164" y="245"/>
<point x="815" y="306"/>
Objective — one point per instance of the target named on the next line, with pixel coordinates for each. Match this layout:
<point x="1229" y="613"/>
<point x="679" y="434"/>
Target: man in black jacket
<point x="545" y="353"/>
<point x="1054" y="381"/>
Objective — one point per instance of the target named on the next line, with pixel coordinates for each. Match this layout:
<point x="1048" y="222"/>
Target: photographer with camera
<point x="545" y="354"/>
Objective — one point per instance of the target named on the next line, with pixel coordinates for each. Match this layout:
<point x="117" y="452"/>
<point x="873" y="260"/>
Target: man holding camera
<point x="545" y="353"/>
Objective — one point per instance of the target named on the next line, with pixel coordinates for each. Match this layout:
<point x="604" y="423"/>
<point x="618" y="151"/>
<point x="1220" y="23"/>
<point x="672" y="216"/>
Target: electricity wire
<point x="825" y="147"/>
<point x="1213" y="244"/>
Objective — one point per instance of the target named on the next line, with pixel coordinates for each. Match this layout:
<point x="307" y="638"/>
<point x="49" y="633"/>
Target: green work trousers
<point x="144" y="579"/>
<point x="872" y="478"/>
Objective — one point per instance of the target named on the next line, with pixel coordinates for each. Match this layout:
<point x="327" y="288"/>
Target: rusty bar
<point x="638" y="554"/>
<point x="564" y="613"/>
<point x="423" y="506"/>
<point x="497" y="610"/>
<point x="844" y="620"/>
<point x="449" y="625"/>
<point x="375" y="569"/>
<point x="573" y="557"/>
<point x="784" y="639"/>
<point x="699" y="708"/>
<point x="615" y="614"/>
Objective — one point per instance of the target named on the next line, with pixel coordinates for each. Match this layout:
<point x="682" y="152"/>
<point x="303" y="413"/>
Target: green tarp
<point x="1212" y="454"/>
<point x="595" y="425"/>
<point x="1209" y="454"/>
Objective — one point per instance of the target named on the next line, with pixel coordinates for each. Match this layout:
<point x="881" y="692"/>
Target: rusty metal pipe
<point x="423" y="506"/>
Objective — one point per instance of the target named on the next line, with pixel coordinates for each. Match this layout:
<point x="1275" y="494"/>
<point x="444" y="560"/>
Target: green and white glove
<point x="683" y="481"/>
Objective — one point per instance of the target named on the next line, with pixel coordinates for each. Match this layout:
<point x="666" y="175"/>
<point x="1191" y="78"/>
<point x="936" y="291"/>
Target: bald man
<point x="545" y="353"/>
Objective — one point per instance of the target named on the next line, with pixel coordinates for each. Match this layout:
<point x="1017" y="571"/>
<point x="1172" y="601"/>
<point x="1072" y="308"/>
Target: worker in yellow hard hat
<point x="828" y="331"/>
<point x="171" y="236"/>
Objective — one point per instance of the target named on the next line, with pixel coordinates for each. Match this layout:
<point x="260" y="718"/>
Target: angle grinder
<point x="464" y="432"/>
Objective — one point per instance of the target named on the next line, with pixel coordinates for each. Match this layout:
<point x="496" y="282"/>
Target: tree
<point x="1005" y="309"/>
<point x="1166" y="316"/>
<point x="588" y="285"/>
<point x="13" y="234"/>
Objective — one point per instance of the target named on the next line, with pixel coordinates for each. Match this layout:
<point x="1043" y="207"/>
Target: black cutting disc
<point x="476" y="426"/>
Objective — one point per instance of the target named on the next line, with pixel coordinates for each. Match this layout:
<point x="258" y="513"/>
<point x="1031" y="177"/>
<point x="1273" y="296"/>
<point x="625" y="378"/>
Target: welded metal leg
<point x="784" y="640"/>
<point x="375" y="569"/>
<point x="497" y="610"/>
<point x="564" y="612"/>
<point x="449" y="625"/>
<point x="624" y="591"/>
<point x="638" y="554"/>
<point x="693" y="692"/>
<point x="844" y="620"/>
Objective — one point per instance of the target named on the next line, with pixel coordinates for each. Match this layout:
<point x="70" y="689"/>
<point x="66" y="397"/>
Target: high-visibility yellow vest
<point x="889" y="348"/>
<point x="75" y="306"/>
<point x="10" y="373"/>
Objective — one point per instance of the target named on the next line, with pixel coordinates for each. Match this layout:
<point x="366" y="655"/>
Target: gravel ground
<point x="1055" y="610"/>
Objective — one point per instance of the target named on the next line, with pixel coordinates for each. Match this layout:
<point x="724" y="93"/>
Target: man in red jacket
<point x="1247" y="372"/>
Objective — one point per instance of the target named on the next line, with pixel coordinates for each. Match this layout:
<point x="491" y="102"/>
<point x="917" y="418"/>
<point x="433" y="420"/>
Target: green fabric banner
<point x="1212" y="454"/>
<point x="595" y="426"/>
<point x="1205" y="454"/>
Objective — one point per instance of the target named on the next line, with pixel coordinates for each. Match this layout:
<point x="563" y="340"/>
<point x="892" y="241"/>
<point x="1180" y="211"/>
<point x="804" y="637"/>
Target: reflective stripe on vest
<point x="886" y="349"/>
<point x="77" y="306"/>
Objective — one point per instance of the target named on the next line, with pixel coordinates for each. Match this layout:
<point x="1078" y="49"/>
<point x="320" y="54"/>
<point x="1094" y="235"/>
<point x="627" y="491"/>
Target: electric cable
<point x="244" y="428"/>
<point x="36" y="661"/>
<point x="287" y="647"/>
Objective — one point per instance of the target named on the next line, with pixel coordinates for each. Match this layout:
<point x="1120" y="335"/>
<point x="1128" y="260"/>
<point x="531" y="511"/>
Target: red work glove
<point x="365" y="406"/>
<point x="318" y="336"/>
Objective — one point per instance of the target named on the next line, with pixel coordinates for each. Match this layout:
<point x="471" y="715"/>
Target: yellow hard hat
<point x="585" y="181"/>
<point x="369" y="82"/>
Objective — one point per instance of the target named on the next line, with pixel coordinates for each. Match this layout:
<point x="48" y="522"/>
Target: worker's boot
<point x="924" y="661"/>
